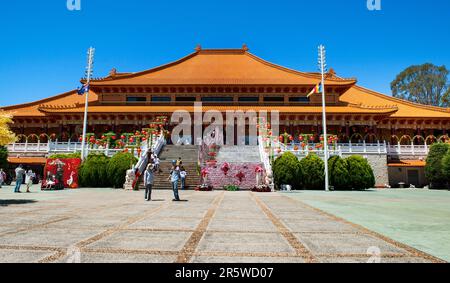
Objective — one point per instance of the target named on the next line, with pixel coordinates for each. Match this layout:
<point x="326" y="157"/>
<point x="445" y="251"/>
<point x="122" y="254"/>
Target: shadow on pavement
<point x="6" y="202"/>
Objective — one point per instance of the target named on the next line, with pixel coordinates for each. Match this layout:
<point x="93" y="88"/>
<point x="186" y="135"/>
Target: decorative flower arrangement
<point x="262" y="189"/>
<point x="225" y="168"/>
<point x="204" y="188"/>
<point x="240" y="176"/>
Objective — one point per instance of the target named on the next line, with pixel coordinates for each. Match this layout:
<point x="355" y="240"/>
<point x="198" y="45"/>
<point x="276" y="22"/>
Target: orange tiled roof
<point x="283" y="109"/>
<point x="27" y="160"/>
<point x="406" y="109"/>
<point x="220" y="67"/>
<point x="408" y="163"/>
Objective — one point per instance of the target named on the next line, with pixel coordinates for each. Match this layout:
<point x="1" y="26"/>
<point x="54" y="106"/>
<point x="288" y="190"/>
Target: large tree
<point x="6" y="136"/>
<point x="426" y="84"/>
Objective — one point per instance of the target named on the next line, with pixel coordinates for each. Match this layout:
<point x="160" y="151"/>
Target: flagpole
<point x="88" y="80"/>
<point x="324" y="115"/>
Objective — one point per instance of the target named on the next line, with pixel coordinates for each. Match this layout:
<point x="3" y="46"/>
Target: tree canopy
<point x="425" y="84"/>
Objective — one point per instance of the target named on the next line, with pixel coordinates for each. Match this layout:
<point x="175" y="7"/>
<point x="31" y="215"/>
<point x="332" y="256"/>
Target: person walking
<point x="174" y="178"/>
<point x="179" y="162"/>
<point x="29" y="177"/>
<point x="156" y="161"/>
<point x="183" y="174"/>
<point x="19" y="178"/>
<point x="148" y="181"/>
<point x="2" y="177"/>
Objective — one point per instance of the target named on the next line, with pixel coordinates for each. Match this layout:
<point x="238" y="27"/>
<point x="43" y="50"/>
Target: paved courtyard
<point x="104" y="225"/>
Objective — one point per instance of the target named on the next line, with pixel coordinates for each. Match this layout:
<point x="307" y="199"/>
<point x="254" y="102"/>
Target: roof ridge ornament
<point x="198" y="48"/>
<point x="245" y="47"/>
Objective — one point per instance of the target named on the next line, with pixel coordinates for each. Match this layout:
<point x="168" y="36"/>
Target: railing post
<point x="26" y="146"/>
<point x="364" y="146"/>
<point x="350" y="147"/>
<point x="385" y="147"/>
<point x="412" y="148"/>
<point x="399" y="148"/>
<point x="14" y="146"/>
<point x="107" y="149"/>
<point x="68" y="146"/>
<point x="379" y="146"/>
<point x="426" y="148"/>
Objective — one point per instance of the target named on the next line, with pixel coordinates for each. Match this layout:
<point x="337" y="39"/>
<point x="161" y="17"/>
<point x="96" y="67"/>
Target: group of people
<point x="176" y="176"/>
<point x="21" y="174"/>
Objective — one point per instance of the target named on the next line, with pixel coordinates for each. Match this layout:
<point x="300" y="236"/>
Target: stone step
<point x="238" y="154"/>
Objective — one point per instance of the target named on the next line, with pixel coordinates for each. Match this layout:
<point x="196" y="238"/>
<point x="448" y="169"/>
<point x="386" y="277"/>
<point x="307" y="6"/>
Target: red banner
<point x="61" y="173"/>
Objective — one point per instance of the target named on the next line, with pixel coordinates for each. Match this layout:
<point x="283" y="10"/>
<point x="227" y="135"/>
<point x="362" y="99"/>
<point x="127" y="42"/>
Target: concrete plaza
<point x="105" y="225"/>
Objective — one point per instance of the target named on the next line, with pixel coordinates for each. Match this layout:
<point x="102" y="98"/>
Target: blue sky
<point x="43" y="45"/>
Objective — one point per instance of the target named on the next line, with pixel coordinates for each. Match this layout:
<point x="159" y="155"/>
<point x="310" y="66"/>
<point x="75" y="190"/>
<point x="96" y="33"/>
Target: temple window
<point x="302" y="99"/>
<point x="186" y="99"/>
<point x="248" y="99"/>
<point x="161" y="99"/>
<point x="136" y="99"/>
<point x="274" y="99"/>
<point x="217" y="99"/>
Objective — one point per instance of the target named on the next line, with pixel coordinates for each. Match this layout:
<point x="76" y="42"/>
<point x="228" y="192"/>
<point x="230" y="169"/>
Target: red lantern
<point x="321" y="138"/>
<point x="300" y="138"/>
<point x="103" y="137"/>
<point x="131" y="139"/>
<point x="291" y="138"/>
<point x="311" y="138"/>
<point x="144" y="139"/>
<point x="122" y="137"/>
<point x="114" y="138"/>
<point x="280" y="138"/>
<point x="270" y="133"/>
<point x="80" y="139"/>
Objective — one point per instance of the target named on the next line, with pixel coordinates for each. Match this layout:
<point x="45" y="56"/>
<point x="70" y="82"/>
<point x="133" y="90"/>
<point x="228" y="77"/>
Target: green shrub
<point x="118" y="166"/>
<point x="3" y="158"/>
<point x="338" y="173"/>
<point x="313" y="169"/>
<point x="287" y="171"/>
<point x="93" y="171"/>
<point x="65" y="156"/>
<point x="446" y="167"/>
<point x="360" y="173"/>
<point x="231" y="188"/>
<point x="434" y="165"/>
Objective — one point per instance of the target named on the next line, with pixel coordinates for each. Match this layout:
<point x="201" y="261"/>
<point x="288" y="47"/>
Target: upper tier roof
<point x="220" y="67"/>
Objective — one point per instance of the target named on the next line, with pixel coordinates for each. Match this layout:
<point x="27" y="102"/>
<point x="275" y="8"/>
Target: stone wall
<point x="378" y="162"/>
<point x="218" y="179"/>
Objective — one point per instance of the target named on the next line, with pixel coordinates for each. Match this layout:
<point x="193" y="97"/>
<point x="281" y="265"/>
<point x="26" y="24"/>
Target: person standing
<point x="148" y="182"/>
<point x="183" y="174"/>
<point x="19" y="178"/>
<point x="174" y="178"/>
<point x="29" y="179"/>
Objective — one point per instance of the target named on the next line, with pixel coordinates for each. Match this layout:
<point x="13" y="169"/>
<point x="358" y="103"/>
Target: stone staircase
<point x="239" y="154"/>
<point x="189" y="155"/>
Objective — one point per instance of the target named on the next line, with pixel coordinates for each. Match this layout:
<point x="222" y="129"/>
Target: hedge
<point x="313" y="169"/>
<point x="93" y="171"/>
<point x="338" y="173"/>
<point x="446" y="167"/>
<point x="117" y="168"/>
<point x="287" y="171"/>
<point x="65" y="156"/>
<point x="360" y="174"/>
<point x="434" y="166"/>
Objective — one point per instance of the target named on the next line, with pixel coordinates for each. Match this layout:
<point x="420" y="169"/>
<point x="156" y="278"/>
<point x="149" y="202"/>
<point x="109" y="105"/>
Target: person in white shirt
<point x="29" y="177"/>
<point x="183" y="175"/>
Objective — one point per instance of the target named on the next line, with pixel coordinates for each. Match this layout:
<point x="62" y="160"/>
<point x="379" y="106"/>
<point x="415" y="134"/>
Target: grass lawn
<point x="418" y="218"/>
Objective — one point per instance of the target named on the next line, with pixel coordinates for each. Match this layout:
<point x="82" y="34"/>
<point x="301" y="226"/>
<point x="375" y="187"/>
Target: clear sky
<point x="43" y="44"/>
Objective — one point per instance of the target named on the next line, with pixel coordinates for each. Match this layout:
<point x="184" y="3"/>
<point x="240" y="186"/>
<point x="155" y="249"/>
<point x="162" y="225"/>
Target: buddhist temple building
<point x="231" y="79"/>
